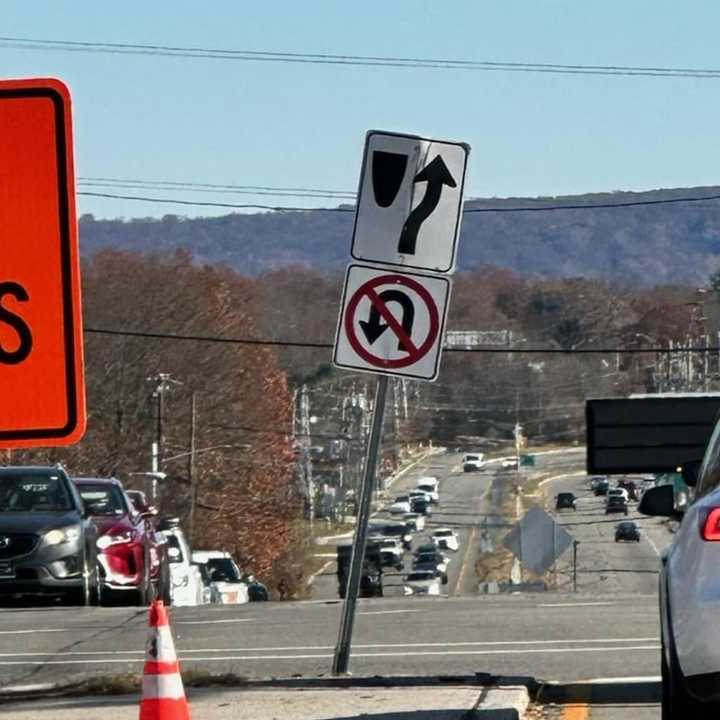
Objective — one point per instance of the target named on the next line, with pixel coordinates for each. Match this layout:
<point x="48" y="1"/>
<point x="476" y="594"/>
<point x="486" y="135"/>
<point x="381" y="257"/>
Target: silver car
<point x="690" y="590"/>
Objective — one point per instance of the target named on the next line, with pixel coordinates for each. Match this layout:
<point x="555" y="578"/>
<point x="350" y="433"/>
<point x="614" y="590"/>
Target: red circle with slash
<point x="415" y="353"/>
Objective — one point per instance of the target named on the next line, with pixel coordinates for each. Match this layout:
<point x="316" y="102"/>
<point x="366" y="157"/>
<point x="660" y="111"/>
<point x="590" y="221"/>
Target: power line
<point x="217" y="188"/>
<point x="325" y="345"/>
<point x="306" y="58"/>
<point x="470" y="211"/>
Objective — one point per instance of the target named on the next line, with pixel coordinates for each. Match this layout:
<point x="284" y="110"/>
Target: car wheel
<point x="676" y="704"/>
<point x="144" y="593"/>
<point x="165" y="591"/>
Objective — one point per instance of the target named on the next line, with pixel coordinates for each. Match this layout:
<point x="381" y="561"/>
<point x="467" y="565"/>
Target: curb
<point x="502" y="703"/>
<point x="610" y="691"/>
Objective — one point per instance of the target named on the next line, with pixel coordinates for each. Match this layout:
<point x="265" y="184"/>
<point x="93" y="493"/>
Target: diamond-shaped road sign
<point x="392" y="322"/>
<point x="410" y="201"/>
<point x="537" y="540"/>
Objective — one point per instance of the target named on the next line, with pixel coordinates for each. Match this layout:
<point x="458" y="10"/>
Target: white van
<point x="185" y="577"/>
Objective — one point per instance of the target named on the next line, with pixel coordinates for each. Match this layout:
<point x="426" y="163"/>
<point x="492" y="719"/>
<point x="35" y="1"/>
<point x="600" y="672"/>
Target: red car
<point x="132" y="556"/>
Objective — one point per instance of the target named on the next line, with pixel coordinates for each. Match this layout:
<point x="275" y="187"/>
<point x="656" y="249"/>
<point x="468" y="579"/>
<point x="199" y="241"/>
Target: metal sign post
<point x="342" y="650"/>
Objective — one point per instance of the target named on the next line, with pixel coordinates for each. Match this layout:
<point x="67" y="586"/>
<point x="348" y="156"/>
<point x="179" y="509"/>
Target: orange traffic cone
<point x="163" y="695"/>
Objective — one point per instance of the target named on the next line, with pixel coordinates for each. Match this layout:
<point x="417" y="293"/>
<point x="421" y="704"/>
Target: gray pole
<point x="341" y="660"/>
<point x="575" y="546"/>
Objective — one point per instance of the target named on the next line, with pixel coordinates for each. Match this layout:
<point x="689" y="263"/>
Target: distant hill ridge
<point x="677" y="242"/>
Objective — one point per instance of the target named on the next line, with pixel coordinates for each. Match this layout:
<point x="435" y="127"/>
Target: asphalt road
<point x="463" y="507"/>
<point x="607" y="629"/>
<point x="550" y="636"/>
<point x="605" y="566"/>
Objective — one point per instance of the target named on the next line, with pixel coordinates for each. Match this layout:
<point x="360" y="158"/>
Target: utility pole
<point x="191" y="466"/>
<point x="163" y="382"/>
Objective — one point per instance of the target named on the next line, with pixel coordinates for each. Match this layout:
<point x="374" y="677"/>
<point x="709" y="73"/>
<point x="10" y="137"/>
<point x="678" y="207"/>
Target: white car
<point x="390" y="545"/>
<point x="187" y="588"/>
<point x="224" y="577"/>
<point x="473" y="461"/>
<point x="429" y="480"/>
<point x="422" y="583"/>
<point x="401" y="505"/>
<point x="689" y="586"/>
<point x="509" y="463"/>
<point x="414" y="521"/>
<point x="430" y="487"/>
<point x="445" y="538"/>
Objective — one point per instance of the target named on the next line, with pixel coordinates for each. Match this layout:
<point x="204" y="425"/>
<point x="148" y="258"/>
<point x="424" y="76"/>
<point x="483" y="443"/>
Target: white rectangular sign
<point x="410" y="201"/>
<point x="392" y="322"/>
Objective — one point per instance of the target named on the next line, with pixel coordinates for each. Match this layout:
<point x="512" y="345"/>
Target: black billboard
<point x="648" y="434"/>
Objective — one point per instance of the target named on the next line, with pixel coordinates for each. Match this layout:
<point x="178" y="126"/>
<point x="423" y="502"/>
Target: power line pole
<point x="163" y="382"/>
<point x="191" y="466"/>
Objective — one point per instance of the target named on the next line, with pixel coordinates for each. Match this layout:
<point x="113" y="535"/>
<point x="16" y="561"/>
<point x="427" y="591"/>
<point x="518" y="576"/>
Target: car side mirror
<point x="659" y="501"/>
<point x="690" y="471"/>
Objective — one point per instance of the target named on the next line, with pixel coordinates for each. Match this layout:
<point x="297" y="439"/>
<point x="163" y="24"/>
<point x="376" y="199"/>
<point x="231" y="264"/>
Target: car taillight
<point x="710" y="527"/>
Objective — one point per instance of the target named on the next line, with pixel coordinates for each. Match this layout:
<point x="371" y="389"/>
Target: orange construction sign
<point x="42" y="385"/>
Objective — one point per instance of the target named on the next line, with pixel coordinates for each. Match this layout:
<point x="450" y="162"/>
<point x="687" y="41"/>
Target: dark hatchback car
<point x="565" y="501"/>
<point x="628" y="531"/>
<point x="601" y="487"/>
<point x="47" y="541"/>
<point x="420" y="505"/>
<point x="615" y="503"/>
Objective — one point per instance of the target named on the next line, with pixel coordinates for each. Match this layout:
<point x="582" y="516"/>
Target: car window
<point x="103" y="499"/>
<point x="34" y="493"/>
<point x="174" y="545"/>
<point x="222" y="570"/>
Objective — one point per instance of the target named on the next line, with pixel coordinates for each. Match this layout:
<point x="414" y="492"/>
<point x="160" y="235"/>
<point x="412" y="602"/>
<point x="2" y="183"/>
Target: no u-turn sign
<point x="392" y="322"/>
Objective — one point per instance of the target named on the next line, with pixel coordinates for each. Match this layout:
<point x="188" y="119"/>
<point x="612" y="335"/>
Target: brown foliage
<point x="247" y="502"/>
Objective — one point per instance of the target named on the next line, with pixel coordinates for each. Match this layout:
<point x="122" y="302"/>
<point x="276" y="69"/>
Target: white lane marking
<point x="212" y="622"/>
<point x="38" y="630"/>
<point x="435" y="653"/>
<point x="389" y="612"/>
<point x="367" y="646"/>
<point x="577" y="604"/>
<point x="651" y="543"/>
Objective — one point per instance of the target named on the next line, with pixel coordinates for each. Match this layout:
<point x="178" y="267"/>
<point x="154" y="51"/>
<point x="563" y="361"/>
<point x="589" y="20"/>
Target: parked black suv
<point x="47" y="542"/>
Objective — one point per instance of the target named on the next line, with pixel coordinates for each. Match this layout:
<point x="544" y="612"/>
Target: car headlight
<point x="62" y="535"/>
<point x="407" y="538"/>
<point x="105" y="541"/>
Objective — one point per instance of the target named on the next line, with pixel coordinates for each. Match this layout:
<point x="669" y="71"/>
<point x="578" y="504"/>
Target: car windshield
<point x="443" y="533"/>
<point x="34" y="493"/>
<point x="103" y="499"/>
<point x="222" y="570"/>
<point x="426" y="488"/>
<point x="402" y="498"/>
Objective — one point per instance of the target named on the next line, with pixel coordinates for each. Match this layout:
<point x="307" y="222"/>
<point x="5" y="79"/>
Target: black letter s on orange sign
<point x="26" y="342"/>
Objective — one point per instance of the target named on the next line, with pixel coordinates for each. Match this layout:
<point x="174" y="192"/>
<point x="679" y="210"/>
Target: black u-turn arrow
<point x="436" y="174"/>
<point x="373" y="327"/>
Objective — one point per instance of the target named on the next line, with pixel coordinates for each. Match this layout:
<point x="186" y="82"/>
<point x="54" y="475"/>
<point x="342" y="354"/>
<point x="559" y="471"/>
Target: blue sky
<point x="272" y="124"/>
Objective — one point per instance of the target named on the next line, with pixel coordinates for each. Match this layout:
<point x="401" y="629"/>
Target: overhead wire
<point x="309" y="58"/>
<point x="327" y="345"/>
<point x="346" y="209"/>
